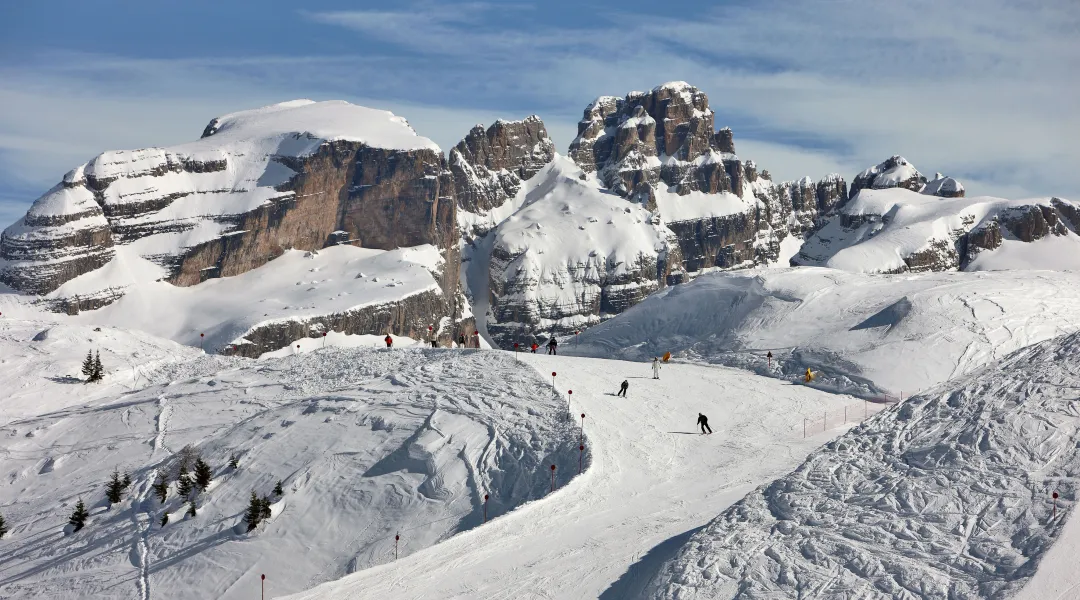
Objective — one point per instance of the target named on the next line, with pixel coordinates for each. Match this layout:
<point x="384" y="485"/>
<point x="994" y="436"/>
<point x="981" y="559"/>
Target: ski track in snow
<point x="649" y="482"/>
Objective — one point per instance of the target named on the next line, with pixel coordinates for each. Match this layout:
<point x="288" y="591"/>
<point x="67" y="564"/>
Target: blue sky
<point x="985" y="90"/>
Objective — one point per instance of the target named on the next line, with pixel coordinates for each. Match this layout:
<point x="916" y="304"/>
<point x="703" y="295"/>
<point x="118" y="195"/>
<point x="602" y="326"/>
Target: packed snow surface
<point x="367" y="443"/>
<point x="652" y="481"/>
<point x="947" y="495"/>
<point x="865" y="334"/>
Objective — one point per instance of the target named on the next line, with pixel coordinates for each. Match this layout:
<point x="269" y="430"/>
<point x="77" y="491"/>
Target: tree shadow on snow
<point x="65" y="379"/>
<point x="686" y="432"/>
<point x="635" y="581"/>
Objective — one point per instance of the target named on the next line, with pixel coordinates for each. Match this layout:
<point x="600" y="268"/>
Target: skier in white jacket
<point x="655" y="368"/>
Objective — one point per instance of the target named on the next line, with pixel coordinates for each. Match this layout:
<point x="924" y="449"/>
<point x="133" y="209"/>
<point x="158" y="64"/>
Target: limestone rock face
<point x="680" y="201"/>
<point x="489" y="166"/>
<point x="300" y="175"/>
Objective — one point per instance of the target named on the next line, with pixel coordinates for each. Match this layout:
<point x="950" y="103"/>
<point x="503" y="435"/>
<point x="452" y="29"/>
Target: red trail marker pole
<point x="568" y="394"/>
<point x="485" y="507"/>
<point x="553" y="478"/>
<point x="202" y="336"/>
<point x="1054" y="495"/>
<point x="581" y="433"/>
<point x="581" y="456"/>
<point x="263" y="583"/>
<point x="324" y="339"/>
<point x="553" y="392"/>
<point x="396" y="538"/>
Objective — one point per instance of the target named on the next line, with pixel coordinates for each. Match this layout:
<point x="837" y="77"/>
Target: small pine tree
<point x="254" y="512"/>
<point x="78" y="518"/>
<point x="278" y="491"/>
<point x="203" y="475"/>
<point x="3" y="527"/>
<point x="99" y="371"/>
<point x="127" y="480"/>
<point x="115" y="489"/>
<point x="191" y="508"/>
<point x="184" y="485"/>
<point x="164" y="519"/>
<point x="161" y="489"/>
<point x="264" y="509"/>
<point x="88" y="366"/>
<point x="234" y="462"/>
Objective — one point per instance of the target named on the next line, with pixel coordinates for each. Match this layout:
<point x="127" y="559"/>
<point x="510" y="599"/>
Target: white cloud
<point x="982" y="90"/>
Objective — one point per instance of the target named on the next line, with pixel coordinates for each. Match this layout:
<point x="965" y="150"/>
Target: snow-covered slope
<point x="571" y="256"/>
<point x="368" y="444"/>
<point x="299" y="294"/>
<point x="866" y="334"/>
<point x="947" y="495"/>
<point x="896" y="221"/>
<point x="652" y="481"/>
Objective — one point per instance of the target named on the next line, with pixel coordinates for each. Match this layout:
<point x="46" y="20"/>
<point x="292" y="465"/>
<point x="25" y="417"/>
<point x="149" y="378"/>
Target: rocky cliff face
<point x="489" y="167"/>
<point x="297" y="175"/>
<point x="676" y="187"/>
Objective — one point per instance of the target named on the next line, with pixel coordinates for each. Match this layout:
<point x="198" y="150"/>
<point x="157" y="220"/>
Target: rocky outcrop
<point x="663" y="136"/>
<point x="408" y="317"/>
<point x="895" y="172"/>
<point x="489" y="166"/>
<point x="890" y="226"/>
<point x="944" y="187"/>
<point x="298" y="175"/>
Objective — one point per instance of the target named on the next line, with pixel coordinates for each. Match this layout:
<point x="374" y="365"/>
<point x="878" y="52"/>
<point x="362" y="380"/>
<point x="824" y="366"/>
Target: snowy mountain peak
<point x="945" y="187"/>
<point x="258" y="183"/>
<point x="896" y="171"/>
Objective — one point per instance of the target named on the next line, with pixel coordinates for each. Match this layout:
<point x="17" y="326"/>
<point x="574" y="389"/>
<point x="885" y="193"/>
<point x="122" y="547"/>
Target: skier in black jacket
<point x="552" y="345"/>
<point x="622" y="388"/>
<point x="704" y="422"/>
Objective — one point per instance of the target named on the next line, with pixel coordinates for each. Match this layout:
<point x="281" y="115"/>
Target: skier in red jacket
<point x="389" y="341"/>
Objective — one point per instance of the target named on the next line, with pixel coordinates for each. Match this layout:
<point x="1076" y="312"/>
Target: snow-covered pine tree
<point x="127" y="480"/>
<point x="254" y="512"/>
<point x="88" y="366"/>
<point x="3" y="527"/>
<point x="114" y="491"/>
<point x="78" y="518"/>
<point x="203" y="474"/>
<point x="161" y="489"/>
<point x="264" y="509"/>
<point x="234" y="462"/>
<point x="278" y="491"/>
<point x="99" y="371"/>
<point x="191" y="508"/>
<point x="184" y="484"/>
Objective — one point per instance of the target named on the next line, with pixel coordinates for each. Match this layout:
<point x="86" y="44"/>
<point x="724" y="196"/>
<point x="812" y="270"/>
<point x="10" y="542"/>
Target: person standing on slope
<point x="622" y="388"/>
<point x="655" y="368"/>
<point x="552" y="345"/>
<point x="534" y="347"/>
<point x="704" y="422"/>
<point x="389" y="341"/>
<point x="461" y="341"/>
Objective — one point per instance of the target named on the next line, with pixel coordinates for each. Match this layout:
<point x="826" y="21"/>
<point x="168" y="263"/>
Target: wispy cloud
<point x="982" y="89"/>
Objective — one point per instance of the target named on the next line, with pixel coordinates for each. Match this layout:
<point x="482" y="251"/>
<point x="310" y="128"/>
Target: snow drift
<point x="944" y="496"/>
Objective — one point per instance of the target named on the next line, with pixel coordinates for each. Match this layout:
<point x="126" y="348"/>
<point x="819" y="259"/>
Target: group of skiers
<point x="702" y="420"/>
